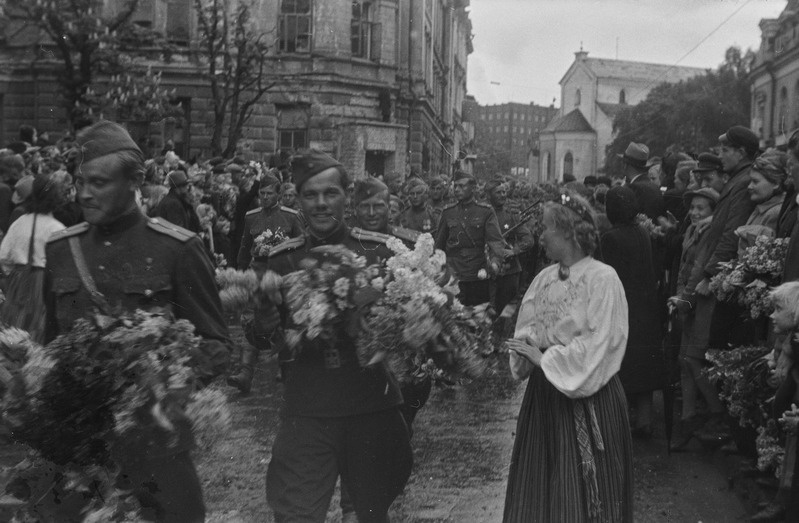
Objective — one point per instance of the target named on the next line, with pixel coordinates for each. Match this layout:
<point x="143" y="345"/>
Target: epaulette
<point x="253" y="211"/>
<point x="450" y="206"/>
<point x="289" y="209"/>
<point x="288" y="245"/>
<point x="370" y="236"/>
<point x="408" y="235"/>
<point x="484" y="205"/>
<point x="69" y="231"/>
<point x="170" y="229"/>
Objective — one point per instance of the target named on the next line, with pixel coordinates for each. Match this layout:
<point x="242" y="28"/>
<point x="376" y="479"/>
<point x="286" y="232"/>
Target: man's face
<point x="715" y="180"/>
<point x="617" y="181"/>
<point x="730" y="157"/>
<point x="289" y="196"/>
<point x="700" y="209"/>
<point x="437" y="191"/>
<point x="269" y="196"/>
<point x="372" y="213"/>
<point x="323" y="200"/>
<point x="654" y="174"/>
<point x="104" y="192"/>
<point x="498" y="195"/>
<point x="418" y="195"/>
<point x="463" y="189"/>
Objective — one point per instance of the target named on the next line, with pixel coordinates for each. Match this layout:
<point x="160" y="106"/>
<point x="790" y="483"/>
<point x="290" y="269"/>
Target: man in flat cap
<point x="277" y="221"/>
<point x="465" y="230"/>
<point x="338" y="418"/>
<point x="650" y="199"/>
<point x="176" y="206"/>
<point x="419" y="216"/>
<point x="121" y="258"/>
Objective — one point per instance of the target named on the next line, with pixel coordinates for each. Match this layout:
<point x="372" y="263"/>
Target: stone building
<point x="774" y="78"/>
<point x="593" y="90"/>
<point x="377" y="83"/>
<point x="511" y="130"/>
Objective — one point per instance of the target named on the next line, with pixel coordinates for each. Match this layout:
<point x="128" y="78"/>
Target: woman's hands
<point x="526" y="350"/>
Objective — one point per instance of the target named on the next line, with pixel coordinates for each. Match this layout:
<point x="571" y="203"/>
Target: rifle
<point x="524" y="216"/>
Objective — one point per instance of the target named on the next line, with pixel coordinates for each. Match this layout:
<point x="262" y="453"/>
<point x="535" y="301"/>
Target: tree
<point x="89" y="40"/>
<point x="689" y="115"/>
<point x="236" y="60"/>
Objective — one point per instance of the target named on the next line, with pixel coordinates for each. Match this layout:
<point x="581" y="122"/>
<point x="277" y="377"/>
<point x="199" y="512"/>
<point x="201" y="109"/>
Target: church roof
<point x="573" y="122"/>
<point x="647" y="72"/>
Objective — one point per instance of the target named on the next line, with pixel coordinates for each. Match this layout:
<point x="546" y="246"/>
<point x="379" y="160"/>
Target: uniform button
<point x="148" y="292"/>
<point x="101" y="267"/>
<point x="107" y="244"/>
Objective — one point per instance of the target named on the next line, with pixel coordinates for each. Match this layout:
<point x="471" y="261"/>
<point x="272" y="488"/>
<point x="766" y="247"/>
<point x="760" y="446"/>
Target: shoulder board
<point x="371" y="236"/>
<point x="408" y="235"/>
<point x="289" y="209"/>
<point x="170" y="229"/>
<point x="483" y="205"/>
<point x="69" y="231"/>
<point x="451" y="205"/>
<point x="253" y="211"/>
<point x="288" y="245"/>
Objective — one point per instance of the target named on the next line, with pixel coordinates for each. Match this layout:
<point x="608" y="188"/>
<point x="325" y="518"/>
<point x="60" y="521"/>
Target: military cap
<point x="310" y="163"/>
<point x="366" y="188"/>
<point x="234" y="168"/>
<point x="269" y="180"/>
<point x="218" y="169"/>
<point x="17" y="147"/>
<point x="437" y="180"/>
<point x="636" y="155"/>
<point x="493" y="184"/>
<point x="415" y="182"/>
<point x="709" y="162"/>
<point x="238" y="160"/>
<point x="177" y="179"/>
<point x="104" y="138"/>
<point x="216" y="160"/>
<point x="740" y="136"/>
<point x="461" y="175"/>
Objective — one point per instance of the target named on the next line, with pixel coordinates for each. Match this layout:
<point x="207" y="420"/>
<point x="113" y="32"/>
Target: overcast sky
<point x="526" y="46"/>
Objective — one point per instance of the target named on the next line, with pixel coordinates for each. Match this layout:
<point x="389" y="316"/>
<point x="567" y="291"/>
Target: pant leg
<point x="378" y="462"/>
<point x="507" y="287"/>
<point x="304" y="467"/>
<point x="474" y="292"/>
<point x="167" y="488"/>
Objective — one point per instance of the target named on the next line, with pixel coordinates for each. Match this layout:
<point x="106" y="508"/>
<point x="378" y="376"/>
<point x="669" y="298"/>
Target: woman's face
<point x="782" y="319"/>
<point x="700" y="208"/>
<point x="760" y="189"/>
<point x="554" y="241"/>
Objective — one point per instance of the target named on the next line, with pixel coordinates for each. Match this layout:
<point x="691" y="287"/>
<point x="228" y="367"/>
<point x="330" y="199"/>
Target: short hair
<point x="786" y="296"/>
<point x="572" y="224"/>
<point x="46" y="195"/>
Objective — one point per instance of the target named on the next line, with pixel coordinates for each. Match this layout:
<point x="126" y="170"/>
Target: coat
<point x="650" y="199"/>
<point x="177" y="212"/>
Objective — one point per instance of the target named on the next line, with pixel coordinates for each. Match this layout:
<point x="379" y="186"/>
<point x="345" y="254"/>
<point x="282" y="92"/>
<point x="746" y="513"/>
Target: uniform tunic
<point x="463" y="233"/>
<point x="277" y="219"/>
<point x="422" y="221"/>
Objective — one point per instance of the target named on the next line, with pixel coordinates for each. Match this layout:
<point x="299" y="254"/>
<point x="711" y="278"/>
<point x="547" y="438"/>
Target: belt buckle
<point x="332" y="358"/>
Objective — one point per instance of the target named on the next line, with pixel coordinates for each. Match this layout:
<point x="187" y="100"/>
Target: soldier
<point x="506" y="283"/>
<point x="419" y="215"/>
<point x="466" y="231"/>
<point x="338" y="417"/>
<point x="280" y="220"/>
<point x="120" y="258"/>
<point x="438" y="193"/>
<point x="288" y="195"/>
<point x="176" y="206"/>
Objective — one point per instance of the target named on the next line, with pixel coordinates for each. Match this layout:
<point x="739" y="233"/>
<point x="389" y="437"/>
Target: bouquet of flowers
<point x="645" y="222"/>
<point x="266" y="240"/>
<point x="747" y="280"/>
<point x="110" y="384"/>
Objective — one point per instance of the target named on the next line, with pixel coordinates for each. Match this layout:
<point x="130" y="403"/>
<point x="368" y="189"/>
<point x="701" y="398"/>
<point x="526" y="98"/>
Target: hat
<point x="415" y="182"/>
<point x="23" y="189"/>
<point x="367" y="188"/>
<point x="705" y="192"/>
<point x="238" y="160"/>
<point x="709" y="162"/>
<point x="437" y="180"/>
<point x="309" y="163"/>
<point x="17" y="147"/>
<point x="234" y="168"/>
<point x="460" y="175"/>
<point x="740" y="136"/>
<point x="773" y="166"/>
<point x="216" y="160"/>
<point x="636" y="155"/>
<point x="104" y="138"/>
<point x="177" y="179"/>
<point x="218" y="169"/>
<point x="493" y="184"/>
<point x="655" y="160"/>
<point x="269" y="180"/>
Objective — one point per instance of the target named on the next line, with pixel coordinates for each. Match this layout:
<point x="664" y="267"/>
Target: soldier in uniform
<point x="469" y="234"/>
<point x="338" y="417"/>
<point x="438" y="193"/>
<point x="419" y="216"/>
<point x="506" y="282"/>
<point x="270" y="216"/>
<point x="120" y="258"/>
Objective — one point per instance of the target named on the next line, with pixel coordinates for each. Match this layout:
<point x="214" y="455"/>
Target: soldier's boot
<point x="243" y="379"/>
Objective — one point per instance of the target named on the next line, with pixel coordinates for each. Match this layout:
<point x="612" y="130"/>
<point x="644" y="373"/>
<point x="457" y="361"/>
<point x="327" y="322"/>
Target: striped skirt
<point x="547" y="483"/>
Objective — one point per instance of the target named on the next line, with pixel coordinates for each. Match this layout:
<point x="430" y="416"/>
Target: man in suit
<point x="650" y="200"/>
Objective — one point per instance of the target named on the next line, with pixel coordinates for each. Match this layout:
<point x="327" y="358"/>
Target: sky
<point x="522" y="48"/>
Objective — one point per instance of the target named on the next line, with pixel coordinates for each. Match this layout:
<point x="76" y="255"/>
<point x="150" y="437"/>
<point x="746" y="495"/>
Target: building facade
<point x="593" y="91"/>
<point x="379" y="84"/>
<point x="774" y="78"/>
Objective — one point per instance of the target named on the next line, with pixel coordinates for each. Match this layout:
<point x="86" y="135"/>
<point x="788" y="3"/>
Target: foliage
<point x="235" y="60"/>
<point x="688" y="115"/>
<point x="743" y="377"/>
<point x="133" y="97"/>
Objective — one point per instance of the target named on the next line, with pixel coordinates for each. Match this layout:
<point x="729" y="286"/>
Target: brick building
<point x="377" y="83"/>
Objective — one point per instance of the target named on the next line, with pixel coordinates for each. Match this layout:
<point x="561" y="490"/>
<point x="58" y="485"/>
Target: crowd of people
<point x="598" y="272"/>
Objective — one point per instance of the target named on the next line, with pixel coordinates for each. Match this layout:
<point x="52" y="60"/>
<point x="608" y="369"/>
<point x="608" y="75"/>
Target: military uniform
<point x="506" y="283"/>
<point x="465" y="229"/>
<point x="256" y="221"/>
<point x="338" y="417"/>
<point x="143" y="263"/>
<point x="424" y="221"/>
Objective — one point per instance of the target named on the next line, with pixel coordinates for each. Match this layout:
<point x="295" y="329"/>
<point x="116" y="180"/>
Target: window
<point x="292" y="128"/>
<point x="144" y="14"/>
<point x="577" y="96"/>
<point x="294" y="29"/>
<point x="177" y="21"/>
<point x="365" y="35"/>
<point x="568" y="164"/>
<point x="622" y="97"/>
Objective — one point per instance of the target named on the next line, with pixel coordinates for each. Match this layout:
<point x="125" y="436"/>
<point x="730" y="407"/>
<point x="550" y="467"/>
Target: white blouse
<point x="14" y="247"/>
<point x="581" y="323"/>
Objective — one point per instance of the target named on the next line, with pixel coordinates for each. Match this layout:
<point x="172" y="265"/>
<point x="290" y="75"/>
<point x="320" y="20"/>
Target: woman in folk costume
<point x="572" y="459"/>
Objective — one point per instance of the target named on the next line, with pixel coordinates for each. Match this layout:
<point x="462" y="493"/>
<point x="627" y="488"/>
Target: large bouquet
<point x="264" y="242"/>
<point x="110" y="385"/>
<point x="747" y="280"/>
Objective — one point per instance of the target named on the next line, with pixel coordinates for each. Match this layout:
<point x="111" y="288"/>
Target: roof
<point x="573" y="122"/>
<point x="612" y="109"/>
<point x="623" y="69"/>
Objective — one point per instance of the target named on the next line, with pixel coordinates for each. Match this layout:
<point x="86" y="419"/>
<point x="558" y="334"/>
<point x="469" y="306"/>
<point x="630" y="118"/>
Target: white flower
<point x="341" y="287"/>
<point x="378" y="283"/>
<point x="482" y="274"/>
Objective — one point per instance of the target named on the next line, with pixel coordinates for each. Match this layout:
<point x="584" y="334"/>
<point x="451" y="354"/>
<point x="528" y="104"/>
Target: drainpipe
<point x="770" y="69"/>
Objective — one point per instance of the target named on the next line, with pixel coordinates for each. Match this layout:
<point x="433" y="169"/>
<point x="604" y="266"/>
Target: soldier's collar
<point x="337" y="236"/>
<point x="122" y="223"/>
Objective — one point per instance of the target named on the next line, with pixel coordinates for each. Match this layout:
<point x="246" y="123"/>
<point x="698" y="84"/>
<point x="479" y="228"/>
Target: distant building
<point x="774" y="78"/>
<point x="593" y="90"/>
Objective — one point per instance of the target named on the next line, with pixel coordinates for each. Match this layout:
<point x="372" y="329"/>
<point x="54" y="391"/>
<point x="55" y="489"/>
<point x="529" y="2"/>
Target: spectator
<point x="788" y="224"/>
<point x="766" y="182"/>
<point x="11" y="170"/>
<point x="21" y="198"/>
<point x="176" y="207"/>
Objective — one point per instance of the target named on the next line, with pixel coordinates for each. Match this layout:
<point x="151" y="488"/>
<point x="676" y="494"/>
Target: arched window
<point x="577" y="97"/>
<point x="622" y="97"/>
<point x="568" y="164"/>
